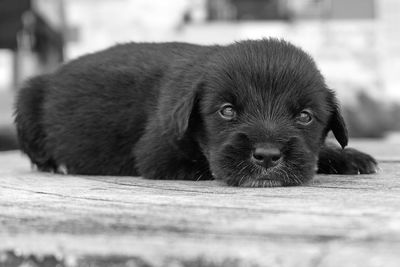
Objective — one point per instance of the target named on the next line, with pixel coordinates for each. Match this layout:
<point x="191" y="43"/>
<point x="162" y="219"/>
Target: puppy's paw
<point x="345" y="161"/>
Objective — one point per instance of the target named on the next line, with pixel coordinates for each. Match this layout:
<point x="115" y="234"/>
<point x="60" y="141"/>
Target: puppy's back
<point x="29" y="123"/>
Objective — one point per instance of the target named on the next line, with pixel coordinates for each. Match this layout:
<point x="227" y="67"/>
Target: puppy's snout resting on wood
<point x="254" y="113"/>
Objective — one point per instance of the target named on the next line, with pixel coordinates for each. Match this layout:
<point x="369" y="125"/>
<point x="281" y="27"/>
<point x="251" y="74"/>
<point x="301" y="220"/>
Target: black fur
<point x="153" y="110"/>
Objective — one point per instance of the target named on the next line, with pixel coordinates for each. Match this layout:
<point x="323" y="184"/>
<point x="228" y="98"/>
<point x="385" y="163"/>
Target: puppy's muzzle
<point x="266" y="155"/>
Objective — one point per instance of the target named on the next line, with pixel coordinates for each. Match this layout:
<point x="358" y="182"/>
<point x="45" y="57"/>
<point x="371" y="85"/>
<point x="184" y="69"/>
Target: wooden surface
<point x="55" y="220"/>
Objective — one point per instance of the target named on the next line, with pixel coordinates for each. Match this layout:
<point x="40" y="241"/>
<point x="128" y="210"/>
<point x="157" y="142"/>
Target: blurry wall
<point x="31" y="39"/>
<point x="355" y="42"/>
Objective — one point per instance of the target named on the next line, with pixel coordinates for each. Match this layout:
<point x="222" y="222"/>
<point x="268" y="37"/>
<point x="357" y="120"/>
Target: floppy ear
<point x="338" y="126"/>
<point x="180" y="115"/>
<point x="177" y="108"/>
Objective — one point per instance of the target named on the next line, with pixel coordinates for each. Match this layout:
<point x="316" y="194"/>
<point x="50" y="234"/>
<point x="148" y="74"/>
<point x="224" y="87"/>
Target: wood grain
<point x="129" y="221"/>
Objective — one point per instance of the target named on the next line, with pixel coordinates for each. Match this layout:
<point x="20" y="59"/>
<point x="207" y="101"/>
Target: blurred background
<point x="356" y="43"/>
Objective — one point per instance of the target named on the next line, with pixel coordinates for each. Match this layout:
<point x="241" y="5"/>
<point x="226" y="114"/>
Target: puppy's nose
<point x="266" y="156"/>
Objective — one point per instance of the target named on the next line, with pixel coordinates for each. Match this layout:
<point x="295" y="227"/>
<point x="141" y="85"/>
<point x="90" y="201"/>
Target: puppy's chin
<point x="231" y="163"/>
<point x="284" y="174"/>
<point x="262" y="183"/>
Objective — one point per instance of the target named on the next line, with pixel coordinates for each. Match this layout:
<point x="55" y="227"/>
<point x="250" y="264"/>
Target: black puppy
<point x="254" y="113"/>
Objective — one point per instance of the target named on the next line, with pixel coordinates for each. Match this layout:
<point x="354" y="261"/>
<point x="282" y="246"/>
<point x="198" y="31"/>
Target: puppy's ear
<point x="338" y="126"/>
<point x="181" y="113"/>
<point x="178" y="108"/>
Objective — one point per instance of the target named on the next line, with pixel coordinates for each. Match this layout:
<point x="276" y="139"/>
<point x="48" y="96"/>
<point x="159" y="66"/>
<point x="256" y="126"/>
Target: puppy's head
<point x="260" y="113"/>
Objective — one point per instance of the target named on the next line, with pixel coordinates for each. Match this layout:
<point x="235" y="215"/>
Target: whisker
<point x="240" y="181"/>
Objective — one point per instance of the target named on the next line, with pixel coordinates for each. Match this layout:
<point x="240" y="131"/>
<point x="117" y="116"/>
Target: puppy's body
<point x="155" y="110"/>
<point x="89" y="115"/>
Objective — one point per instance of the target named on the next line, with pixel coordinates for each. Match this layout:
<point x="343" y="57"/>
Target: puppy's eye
<point x="227" y="112"/>
<point x="305" y="117"/>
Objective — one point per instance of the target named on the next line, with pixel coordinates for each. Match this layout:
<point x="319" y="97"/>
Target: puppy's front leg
<point x="335" y="160"/>
<point x="171" y="166"/>
<point x="158" y="157"/>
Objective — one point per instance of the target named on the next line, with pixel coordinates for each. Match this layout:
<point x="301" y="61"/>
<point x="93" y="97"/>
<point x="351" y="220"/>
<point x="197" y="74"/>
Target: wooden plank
<point x="129" y="221"/>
